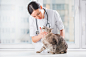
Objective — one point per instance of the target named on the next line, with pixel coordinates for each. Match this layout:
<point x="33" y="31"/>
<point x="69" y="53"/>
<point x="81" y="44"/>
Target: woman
<point x="43" y="17"/>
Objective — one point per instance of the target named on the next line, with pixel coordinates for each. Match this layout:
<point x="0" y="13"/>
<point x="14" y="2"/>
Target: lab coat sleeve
<point x="32" y="26"/>
<point x="58" y="22"/>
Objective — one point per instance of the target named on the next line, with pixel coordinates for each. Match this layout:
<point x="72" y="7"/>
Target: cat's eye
<point x="43" y="28"/>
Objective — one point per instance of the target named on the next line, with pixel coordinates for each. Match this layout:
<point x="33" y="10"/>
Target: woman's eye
<point x="38" y="13"/>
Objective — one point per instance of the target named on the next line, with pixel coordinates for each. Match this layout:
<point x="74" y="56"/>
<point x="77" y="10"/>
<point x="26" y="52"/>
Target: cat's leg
<point x="43" y="48"/>
<point x="51" y="52"/>
<point x="62" y="52"/>
<point x="58" y="53"/>
<point x="65" y="51"/>
<point x="52" y="49"/>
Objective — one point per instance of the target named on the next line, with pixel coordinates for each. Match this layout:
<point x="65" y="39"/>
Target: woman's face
<point x="38" y="14"/>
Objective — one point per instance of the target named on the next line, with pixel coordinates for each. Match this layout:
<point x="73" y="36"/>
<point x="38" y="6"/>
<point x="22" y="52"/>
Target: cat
<point x="54" y="43"/>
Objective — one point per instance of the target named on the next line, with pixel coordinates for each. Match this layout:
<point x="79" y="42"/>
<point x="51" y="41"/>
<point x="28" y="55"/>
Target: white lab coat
<point x="55" y="22"/>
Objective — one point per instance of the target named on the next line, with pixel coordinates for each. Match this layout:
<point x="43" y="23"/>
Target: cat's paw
<point x="53" y="53"/>
<point x="65" y="51"/>
<point x="38" y="52"/>
<point x="62" y="52"/>
<point x="48" y="52"/>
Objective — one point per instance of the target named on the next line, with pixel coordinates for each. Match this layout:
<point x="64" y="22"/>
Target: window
<point x="14" y="24"/>
<point x="83" y="23"/>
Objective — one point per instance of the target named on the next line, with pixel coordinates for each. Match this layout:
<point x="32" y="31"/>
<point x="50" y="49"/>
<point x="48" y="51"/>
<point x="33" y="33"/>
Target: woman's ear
<point x="41" y="7"/>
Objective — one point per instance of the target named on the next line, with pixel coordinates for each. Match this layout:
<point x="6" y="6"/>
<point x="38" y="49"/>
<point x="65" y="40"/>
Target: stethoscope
<point x="37" y="32"/>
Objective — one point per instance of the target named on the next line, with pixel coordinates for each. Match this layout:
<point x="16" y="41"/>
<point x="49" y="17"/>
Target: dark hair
<point x="33" y="6"/>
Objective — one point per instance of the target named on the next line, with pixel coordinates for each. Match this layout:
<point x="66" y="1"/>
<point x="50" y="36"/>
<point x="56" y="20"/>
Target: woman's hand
<point x="42" y="34"/>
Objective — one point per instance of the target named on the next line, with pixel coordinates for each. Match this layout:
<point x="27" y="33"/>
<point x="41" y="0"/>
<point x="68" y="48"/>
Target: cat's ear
<point x="52" y="28"/>
<point x="43" y="26"/>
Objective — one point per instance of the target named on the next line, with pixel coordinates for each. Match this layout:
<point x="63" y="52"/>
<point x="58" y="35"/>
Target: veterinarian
<point x="43" y="17"/>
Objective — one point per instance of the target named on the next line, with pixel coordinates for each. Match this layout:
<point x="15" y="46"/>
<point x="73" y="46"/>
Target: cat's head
<point x="46" y="29"/>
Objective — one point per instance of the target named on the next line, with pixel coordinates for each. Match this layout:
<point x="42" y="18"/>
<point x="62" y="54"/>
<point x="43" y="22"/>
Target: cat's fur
<point x="54" y="43"/>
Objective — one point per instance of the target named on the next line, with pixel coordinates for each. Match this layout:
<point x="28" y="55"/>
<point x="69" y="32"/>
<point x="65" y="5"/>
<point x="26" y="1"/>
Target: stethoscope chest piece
<point x="37" y="32"/>
<point x="48" y="25"/>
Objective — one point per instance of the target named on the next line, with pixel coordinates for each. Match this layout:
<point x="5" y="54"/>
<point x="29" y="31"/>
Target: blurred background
<point x="14" y="19"/>
<point x="14" y="22"/>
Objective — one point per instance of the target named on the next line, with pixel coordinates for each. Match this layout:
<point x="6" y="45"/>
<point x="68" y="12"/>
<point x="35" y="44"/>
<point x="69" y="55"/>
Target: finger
<point x="40" y="29"/>
<point x="43" y="35"/>
<point x="45" y="32"/>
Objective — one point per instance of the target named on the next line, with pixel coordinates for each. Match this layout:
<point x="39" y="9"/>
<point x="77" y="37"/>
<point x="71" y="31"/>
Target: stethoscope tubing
<point x="37" y="32"/>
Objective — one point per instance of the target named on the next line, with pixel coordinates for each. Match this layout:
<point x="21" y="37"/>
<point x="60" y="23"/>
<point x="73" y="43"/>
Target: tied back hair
<point x="33" y="6"/>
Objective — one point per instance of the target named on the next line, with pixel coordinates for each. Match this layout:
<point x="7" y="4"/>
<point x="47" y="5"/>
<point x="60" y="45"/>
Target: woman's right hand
<point x="37" y="38"/>
<point x="42" y="34"/>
